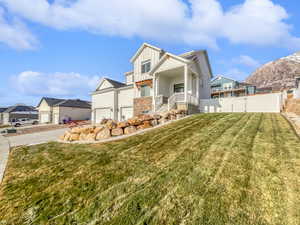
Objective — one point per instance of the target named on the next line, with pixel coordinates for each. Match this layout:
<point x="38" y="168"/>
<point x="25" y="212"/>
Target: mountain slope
<point x="278" y="74"/>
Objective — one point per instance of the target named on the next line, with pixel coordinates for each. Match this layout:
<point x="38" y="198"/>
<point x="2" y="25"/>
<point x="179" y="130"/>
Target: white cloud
<point x="203" y="22"/>
<point x="30" y="83"/>
<point x="236" y="74"/>
<point x="15" y="34"/>
<point x="246" y="61"/>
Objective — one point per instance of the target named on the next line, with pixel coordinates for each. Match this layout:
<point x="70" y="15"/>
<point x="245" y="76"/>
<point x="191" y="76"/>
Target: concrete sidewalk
<point x="4" y="152"/>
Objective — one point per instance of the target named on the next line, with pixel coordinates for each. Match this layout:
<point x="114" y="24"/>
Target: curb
<point x="5" y="151"/>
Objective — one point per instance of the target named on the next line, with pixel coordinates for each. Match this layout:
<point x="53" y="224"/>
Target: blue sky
<point x="62" y="48"/>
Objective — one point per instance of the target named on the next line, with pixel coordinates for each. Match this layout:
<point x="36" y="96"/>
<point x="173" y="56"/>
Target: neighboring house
<point x="160" y="81"/>
<point x="222" y="87"/>
<point x="297" y="88"/>
<point x="53" y="110"/>
<point x="12" y="113"/>
<point x="1" y="114"/>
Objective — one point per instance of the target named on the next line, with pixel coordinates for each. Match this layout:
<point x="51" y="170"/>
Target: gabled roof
<point x="221" y="76"/>
<point x="75" y="103"/>
<point x="20" y="108"/>
<point x="114" y="83"/>
<point x="51" y="101"/>
<point x="190" y="55"/>
<point x="165" y="57"/>
<point x="144" y="45"/>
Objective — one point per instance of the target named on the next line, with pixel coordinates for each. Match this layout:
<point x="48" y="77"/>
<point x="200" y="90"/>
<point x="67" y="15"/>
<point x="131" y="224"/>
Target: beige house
<point x="160" y="81"/>
<point x="53" y="110"/>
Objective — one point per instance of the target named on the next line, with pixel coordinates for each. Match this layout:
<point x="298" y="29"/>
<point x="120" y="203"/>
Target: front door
<point x="179" y="88"/>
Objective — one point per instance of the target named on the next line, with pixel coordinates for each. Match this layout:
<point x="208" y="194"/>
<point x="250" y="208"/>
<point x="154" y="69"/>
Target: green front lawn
<point x="206" y="169"/>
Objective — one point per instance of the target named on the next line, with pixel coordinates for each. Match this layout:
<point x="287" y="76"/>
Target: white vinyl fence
<point x="269" y="103"/>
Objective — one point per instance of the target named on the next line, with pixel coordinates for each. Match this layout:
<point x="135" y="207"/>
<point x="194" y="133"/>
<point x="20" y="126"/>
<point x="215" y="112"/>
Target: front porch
<point x="176" y="88"/>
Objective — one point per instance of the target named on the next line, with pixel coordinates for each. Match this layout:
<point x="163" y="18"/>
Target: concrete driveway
<point x="36" y="138"/>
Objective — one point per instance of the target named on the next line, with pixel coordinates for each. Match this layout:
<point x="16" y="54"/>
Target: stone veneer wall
<point x="142" y="104"/>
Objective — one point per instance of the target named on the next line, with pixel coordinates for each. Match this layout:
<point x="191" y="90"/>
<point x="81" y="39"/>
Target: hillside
<point x="278" y="74"/>
<point x="206" y="169"/>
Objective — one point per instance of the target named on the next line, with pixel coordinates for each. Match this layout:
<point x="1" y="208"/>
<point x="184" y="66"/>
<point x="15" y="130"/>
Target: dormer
<point x="144" y="60"/>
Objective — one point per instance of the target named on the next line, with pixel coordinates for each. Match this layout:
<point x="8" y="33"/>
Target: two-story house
<point x="160" y="81"/>
<point x="222" y="87"/>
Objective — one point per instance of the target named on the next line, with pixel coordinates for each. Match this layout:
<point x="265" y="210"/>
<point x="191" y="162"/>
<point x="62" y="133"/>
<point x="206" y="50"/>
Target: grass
<point x="206" y="169"/>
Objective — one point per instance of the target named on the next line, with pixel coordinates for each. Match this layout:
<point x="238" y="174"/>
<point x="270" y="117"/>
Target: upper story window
<point x="145" y="90"/>
<point x="146" y="66"/>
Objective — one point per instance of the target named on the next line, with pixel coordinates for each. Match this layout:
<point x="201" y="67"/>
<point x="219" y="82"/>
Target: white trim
<point x="139" y="51"/>
<point x="164" y="58"/>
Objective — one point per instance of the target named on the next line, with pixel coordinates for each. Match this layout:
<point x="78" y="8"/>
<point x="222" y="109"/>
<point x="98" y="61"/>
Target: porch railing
<point x="159" y="101"/>
<point x="179" y="97"/>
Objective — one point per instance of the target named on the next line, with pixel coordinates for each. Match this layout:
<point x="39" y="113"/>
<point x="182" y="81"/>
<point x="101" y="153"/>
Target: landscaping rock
<point x="154" y="122"/>
<point x="145" y="117"/>
<point x="135" y="121"/>
<point x="98" y="129"/>
<point x="117" y="132"/>
<point x="103" y="121"/>
<point x="179" y="116"/>
<point x="173" y="117"/>
<point x="91" y="137"/>
<point x="110" y="124"/>
<point x="76" y="130"/>
<point x="123" y="124"/>
<point x="103" y="134"/>
<point x="82" y="137"/>
<point x="67" y="136"/>
<point x="163" y="120"/>
<point x="74" y="137"/>
<point x="145" y="125"/>
<point x="156" y="116"/>
<point x="130" y="130"/>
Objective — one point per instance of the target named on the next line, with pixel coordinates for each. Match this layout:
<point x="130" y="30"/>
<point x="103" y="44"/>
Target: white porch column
<point x="185" y="83"/>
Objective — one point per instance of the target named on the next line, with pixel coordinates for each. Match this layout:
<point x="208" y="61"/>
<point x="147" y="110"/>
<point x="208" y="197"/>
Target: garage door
<point x="44" y="118"/>
<point x="102" y="114"/>
<point x="126" y="113"/>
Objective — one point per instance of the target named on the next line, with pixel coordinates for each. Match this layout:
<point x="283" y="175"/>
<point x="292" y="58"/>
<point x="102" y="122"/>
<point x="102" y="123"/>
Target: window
<point x="145" y="91"/>
<point x="146" y="66"/>
<point x="178" y="88"/>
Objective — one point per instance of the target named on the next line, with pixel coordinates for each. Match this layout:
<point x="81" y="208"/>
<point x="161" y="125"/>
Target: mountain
<point x="279" y="74"/>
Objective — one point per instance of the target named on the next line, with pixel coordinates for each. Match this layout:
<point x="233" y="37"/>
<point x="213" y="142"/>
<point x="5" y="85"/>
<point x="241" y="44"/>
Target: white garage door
<point x="44" y="118"/>
<point x="102" y="114"/>
<point x="126" y="113"/>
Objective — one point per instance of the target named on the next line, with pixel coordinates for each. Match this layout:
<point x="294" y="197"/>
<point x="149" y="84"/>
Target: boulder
<point x="165" y="115"/>
<point x="130" y="130"/>
<point x="117" y="132"/>
<point x="103" y="121"/>
<point x="163" y="120"/>
<point x="154" y="122"/>
<point x="67" y="136"/>
<point x="76" y="130"/>
<point x="135" y="121"/>
<point x="110" y="124"/>
<point x="145" y="125"/>
<point x="91" y="137"/>
<point x="123" y="124"/>
<point x="82" y="137"/>
<point x="179" y="116"/>
<point x="103" y="134"/>
<point x="98" y="129"/>
<point x="74" y="137"/>
<point x="87" y="130"/>
<point x="145" y="117"/>
<point x="173" y="117"/>
<point x="156" y="116"/>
